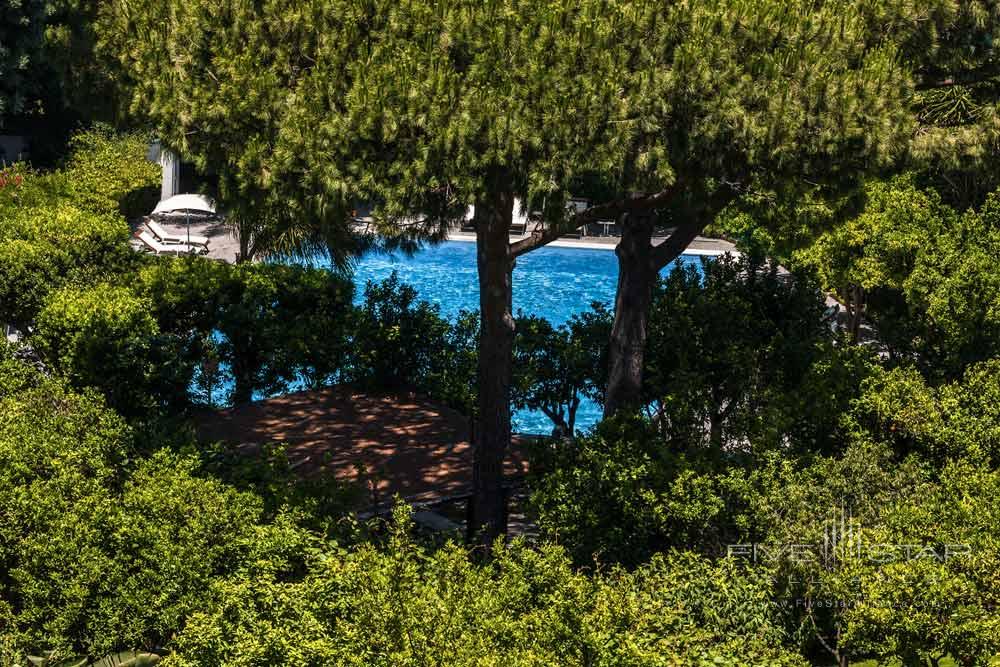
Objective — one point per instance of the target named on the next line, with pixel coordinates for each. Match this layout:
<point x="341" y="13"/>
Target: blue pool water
<point x="553" y="283"/>
<point x="550" y="282"/>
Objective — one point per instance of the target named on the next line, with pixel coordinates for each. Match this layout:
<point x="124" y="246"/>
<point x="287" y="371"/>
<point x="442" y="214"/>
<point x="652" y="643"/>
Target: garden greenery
<point x="781" y="495"/>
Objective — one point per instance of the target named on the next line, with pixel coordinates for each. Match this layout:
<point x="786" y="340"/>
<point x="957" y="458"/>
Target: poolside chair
<point x="575" y="206"/>
<point x="155" y="246"/>
<point x="168" y="238"/>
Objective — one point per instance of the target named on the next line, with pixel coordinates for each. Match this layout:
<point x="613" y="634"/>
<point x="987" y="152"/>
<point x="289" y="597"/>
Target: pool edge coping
<point x="590" y="245"/>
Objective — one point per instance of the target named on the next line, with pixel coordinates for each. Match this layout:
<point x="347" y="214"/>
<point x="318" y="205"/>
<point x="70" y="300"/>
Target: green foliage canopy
<point x="924" y="273"/>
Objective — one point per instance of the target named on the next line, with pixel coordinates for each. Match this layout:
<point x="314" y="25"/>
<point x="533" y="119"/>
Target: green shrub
<point x="43" y="248"/>
<point x="913" y="557"/>
<point x="402" y="343"/>
<point x="398" y="338"/>
<point x="953" y="420"/>
<point x="741" y="359"/>
<point x="922" y="272"/>
<point x="108" y="173"/>
<point x="28" y="271"/>
<point x="66" y="226"/>
<point x="105" y="173"/>
<point x="620" y="495"/>
<point x="264" y="327"/>
<point x="60" y="455"/>
<point x="403" y="605"/>
<point x="99" y="553"/>
<point x="556" y="368"/>
<point x="100" y="336"/>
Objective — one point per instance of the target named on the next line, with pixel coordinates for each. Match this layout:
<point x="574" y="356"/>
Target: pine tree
<point x="664" y="112"/>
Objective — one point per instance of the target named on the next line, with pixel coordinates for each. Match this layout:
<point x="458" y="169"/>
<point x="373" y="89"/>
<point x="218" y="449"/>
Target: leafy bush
<point x="959" y="419"/>
<point x="902" y="561"/>
<point x="401" y="343"/>
<point x="27" y="273"/>
<point x="403" y="605"/>
<point x="108" y="172"/>
<point x="65" y="226"/>
<point x="939" y="601"/>
<point x="100" y="336"/>
<point x="268" y="327"/>
<point x="620" y="495"/>
<point x="870" y="555"/>
<point x="742" y="358"/>
<point x="105" y="173"/>
<point x="278" y="325"/>
<point x="56" y="506"/>
<point x="924" y="273"/>
<point x="98" y="554"/>
<point x="42" y="249"/>
<point x="397" y="340"/>
<point x="556" y="367"/>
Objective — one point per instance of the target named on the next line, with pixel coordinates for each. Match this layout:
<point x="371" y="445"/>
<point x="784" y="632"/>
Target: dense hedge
<point x="99" y="336"/>
<point x="760" y="428"/>
<point x="66" y="226"/>
<point x="100" y="552"/>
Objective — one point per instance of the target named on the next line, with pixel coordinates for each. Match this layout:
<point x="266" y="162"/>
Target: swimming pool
<point x="551" y="282"/>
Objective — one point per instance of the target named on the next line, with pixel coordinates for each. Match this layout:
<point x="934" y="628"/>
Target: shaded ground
<point x="389" y="445"/>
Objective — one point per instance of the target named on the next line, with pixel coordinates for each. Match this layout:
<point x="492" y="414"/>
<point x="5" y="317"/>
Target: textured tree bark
<point x="636" y="274"/>
<point x="496" y="340"/>
<point x="639" y="264"/>
<point x="243" y="367"/>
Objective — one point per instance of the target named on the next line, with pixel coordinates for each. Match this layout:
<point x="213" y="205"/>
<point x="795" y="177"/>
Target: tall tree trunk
<point x="636" y="276"/>
<point x="242" y="369"/>
<point x="496" y="343"/>
<point x="857" y="314"/>
<point x="639" y="264"/>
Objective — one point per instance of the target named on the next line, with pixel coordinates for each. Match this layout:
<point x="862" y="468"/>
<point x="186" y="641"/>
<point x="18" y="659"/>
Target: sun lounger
<point x="155" y="246"/>
<point x="167" y="237"/>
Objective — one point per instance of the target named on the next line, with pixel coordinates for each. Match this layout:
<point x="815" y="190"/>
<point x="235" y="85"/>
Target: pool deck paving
<point x="224" y="246"/>
<point x="702" y="245"/>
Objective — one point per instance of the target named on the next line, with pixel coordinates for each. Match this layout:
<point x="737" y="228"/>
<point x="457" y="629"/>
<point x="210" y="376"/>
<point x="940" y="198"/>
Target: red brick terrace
<point x="390" y="445"/>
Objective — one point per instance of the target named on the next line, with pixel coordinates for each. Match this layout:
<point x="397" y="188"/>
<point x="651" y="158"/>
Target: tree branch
<point x="675" y="244"/>
<point x="833" y="651"/>
<point x="612" y="209"/>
